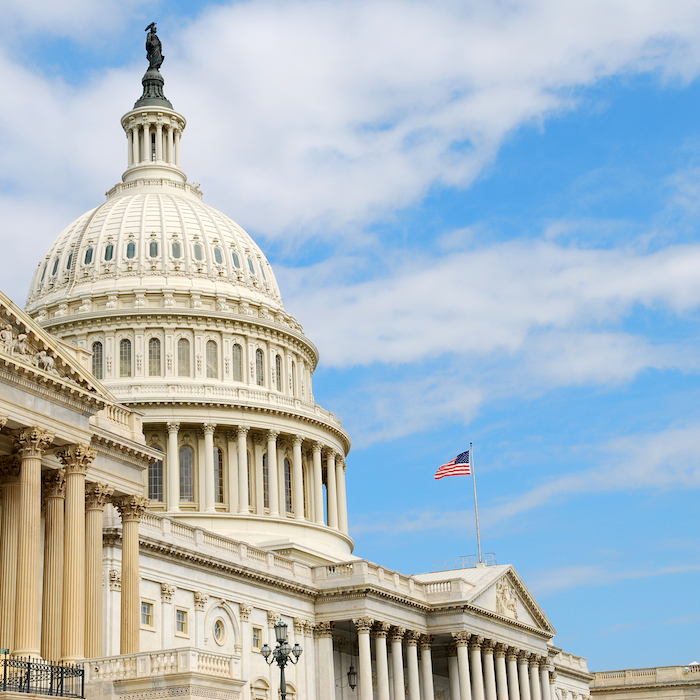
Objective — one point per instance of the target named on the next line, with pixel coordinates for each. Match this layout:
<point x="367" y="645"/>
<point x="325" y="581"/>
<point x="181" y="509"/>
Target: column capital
<point x="329" y="453"/>
<point x="273" y="435"/>
<point x="381" y="629"/>
<point x="475" y="642"/>
<point x="396" y="634"/>
<point x="298" y="625"/>
<point x="544" y="663"/>
<point x="308" y="628"/>
<point x="96" y="495"/>
<point x="324" y="629"/>
<point x="500" y="650"/>
<point x="488" y="646"/>
<point x="200" y="600"/>
<point x="297" y="440"/>
<point x="552" y="678"/>
<point x="131" y="508"/>
<point x="461" y="638"/>
<point x="272" y="617"/>
<point x="450" y="649"/>
<point x="209" y="428"/>
<point x="412" y="638"/>
<point x="245" y="611"/>
<point x="9" y="469"/>
<point x="54" y="484"/>
<point x="231" y="435"/>
<point x="426" y="641"/>
<point x="173" y="427"/>
<point x="76" y="458"/>
<point x="243" y="431"/>
<point x="3" y="421"/>
<point x="523" y="656"/>
<point x="32" y="442"/>
<point x="363" y="624"/>
<point x="339" y="460"/>
<point x="167" y="590"/>
<point x="257" y="438"/>
<point x="512" y="653"/>
<point x="317" y="447"/>
<point x="535" y="660"/>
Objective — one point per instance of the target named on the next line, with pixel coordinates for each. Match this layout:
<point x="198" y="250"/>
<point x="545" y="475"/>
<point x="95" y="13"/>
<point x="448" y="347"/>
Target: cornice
<point x="363" y="592"/>
<point x="580" y="675"/>
<point x="127" y="452"/>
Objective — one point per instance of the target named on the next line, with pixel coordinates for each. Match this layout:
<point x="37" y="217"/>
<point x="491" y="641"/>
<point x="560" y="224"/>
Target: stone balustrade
<point x="646" y="676"/>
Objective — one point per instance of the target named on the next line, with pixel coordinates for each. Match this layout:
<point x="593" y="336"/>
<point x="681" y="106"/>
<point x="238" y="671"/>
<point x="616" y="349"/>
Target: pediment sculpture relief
<point x="506" y="601"/>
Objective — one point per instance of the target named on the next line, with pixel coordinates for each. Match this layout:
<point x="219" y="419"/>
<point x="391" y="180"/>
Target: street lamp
<point x="281" y="654"/>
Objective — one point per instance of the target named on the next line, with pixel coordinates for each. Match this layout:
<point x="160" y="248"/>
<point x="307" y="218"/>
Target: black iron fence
<point x="27" y="675"/>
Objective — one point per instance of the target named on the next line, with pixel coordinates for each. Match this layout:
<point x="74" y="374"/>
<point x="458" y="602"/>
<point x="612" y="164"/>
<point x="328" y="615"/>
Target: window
<point x="219" y="475"/>
<point x="294" y="378"/>
<point x="97" y="360"/>
<point x="181" y="622"/>
<point x="147" y="614"/>
<point x="278" y="372"/>
<point x="183" y="357"/>
<point x="153" y="249"/>
<point x="219" y="632"/>
<point x="109" y="252"/>
<point x="237" y="363"/>
<point x="259" y="373"/>
<point x="125" y="358"/>
<point x="217" y="256"/>
<point x="130" y="250"/>
<point x="177" y="250"/>
<point x="187" y="474"/>
<point x="236" y="259"/>
<point x="212" y="360"/>
<point x="55" y="266"/>
<point x="88" y="256"/>
<point x="250" y="266"/>
<point x="70" y="261"/>
<point x="154" y="357"/>
<point x="155" y="480"/>
<point x="262" y="270"/>
<point x="266" y="483"/>
<point x="288" y="485"/>
<point x="43" y="272"/>
<point x="198" y="255"/>
<point x="257" y="638"/>
<point x="153" y="147"/>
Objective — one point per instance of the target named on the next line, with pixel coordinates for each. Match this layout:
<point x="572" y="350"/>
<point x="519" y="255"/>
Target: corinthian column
<point x="462" y="642"/>
<point x="76" y="459"/>
<point x="426" y="665"/>
<point x="318" y="483"/>
<point x="332" y="503"/>
<point x="535" y="677"/>
<point x="489" y="670"/>
<point x="325" y="668"/>
<point x="243" y="506"/>
<point x="412" y="665"/>
<point x="131" y="508"/>
<point x="209" y="486"/>
<point x="96" y="496"/>
<point x="31" y="443"/>
<point x="476" y="669"/>
<point x="9" y="528"/>
<point x="298" y="482"/>
<point x="501" y="674"/>
<point x="173" y="462"/>
<point x="381" y="630"/>
<point x="523" y="675"/>
<point x="54" y="500"/>
<point x="453" y="670"/>
<point x="396" y="637"/>
<point x="342" y="497"/>
<point x="364" y="625"/>
<point x="272" y="471"/>
<point x="544" y="678"/>
<point x="512" y="670"/>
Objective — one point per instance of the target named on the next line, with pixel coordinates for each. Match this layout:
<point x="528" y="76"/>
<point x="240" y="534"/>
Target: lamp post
<point x="282" y="654"/>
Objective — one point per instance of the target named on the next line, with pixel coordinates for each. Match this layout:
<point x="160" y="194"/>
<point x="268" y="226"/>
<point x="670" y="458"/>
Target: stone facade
<point x="661" y="683"/>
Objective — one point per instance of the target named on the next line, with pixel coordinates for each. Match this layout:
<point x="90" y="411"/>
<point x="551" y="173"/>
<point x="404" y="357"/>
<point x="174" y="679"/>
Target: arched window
<point x="153" y="249"/>
<point x="130" y="250"/>
<point x="250" y="482"/>
<point x="55" y="266"/>
<point x="262" y="270"/>
<point x="155" y="480"/>
<point x="109" y="252"/>
<point x="250" y="266"/>
<point x="125" y="358"/>
<point x="187" y="474"/>
<point x="218" y="475"/>
<point x="278" y="372"/>
<point x="237" y="363"/>
<point x="183" y="357"/>
<point x="266" y="482"/>
<point x="294" y="378"/>
<point x="98" y="360"/>
<point x="177" y="250"/>
<point x="88" y="256"/>
<point x="154" y="357"/>
<point x="70" y="261"/>
<point x="198" y="254"/>
<point x="236" y="259"/>
<point x="288" y="485"/>
<point x="212" y="360"/>
<point x="217" y="256"/>
<point x="259" y="371"/>
<point x="43" y="273"/>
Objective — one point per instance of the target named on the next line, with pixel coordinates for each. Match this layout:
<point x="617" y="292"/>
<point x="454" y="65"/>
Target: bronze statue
<point x="154" y="49"/>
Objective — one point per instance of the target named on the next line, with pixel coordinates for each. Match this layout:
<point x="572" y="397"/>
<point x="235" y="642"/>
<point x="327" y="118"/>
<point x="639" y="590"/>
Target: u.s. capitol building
<point x="163" y="455"/>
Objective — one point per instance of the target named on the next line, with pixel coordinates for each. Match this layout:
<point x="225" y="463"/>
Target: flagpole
<point x="476" y="505"/>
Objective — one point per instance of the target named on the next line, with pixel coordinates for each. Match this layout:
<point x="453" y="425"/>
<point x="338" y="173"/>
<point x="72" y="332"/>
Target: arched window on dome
<point x="187" y="474"/>
<point x="43" y="272"/>
<point x="212" y="360"/>
<point x="70" y="261"/>
<point x="125" y="358"/>
<point x="98" y="360"/>
<point x="131" y="250"/>
<point x="266" y="483"/>
<point x="155" y="480"/>
<point x="262" y="272"/>
<point x="177" y="249"/>
<point x="217" y="256"/>
<point x="153" y="249"/>
<point x="183" y="357"/>
<point x="278" y="372"/>
<point x="55" y="266"/>
<point x="109" y="252"/>
<point x="218" y="475"/>
<point x="250" y="266"/>
<point x="154" y="362"/>
<point x="237" y="363"/>
<point x="259" y="369"/>
<point x="88" y="256"/>
<point x="294" y="378"/>
<point x="198" y="253"/>
<point x="236" y="259"/>
<point x="288" y="486"/>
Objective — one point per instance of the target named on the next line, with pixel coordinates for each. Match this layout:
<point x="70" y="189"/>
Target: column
<point x="552" y="685"/>
<point x="453" y="670"/>
<point x="462" y="642"/>
<point x="318" y="483"/>
<point x="535" y="677"/>
<point x="332" y="501"/>
<point x="209" y="486"/>
<point x="243" y="506"/>
<point x="76" y="459"/>
<point x="501" y="673"/>
<point x="173" y="463"/>
<point x="381" y="629"/>
<point x="232" y="461"/>
<point x="129" y="148"/>
<point x="426" y="667"/>
<point x="412" y="665"/>
<point x="177" y="148"/>
<point x="364" y="625"/>
<point x="272" y="471"/>
<point x="298" y="478"/>
<point x="169" y="155"/>
<point x="489" y="669"/>
<point x="31" y="443"/>
<point x="135" y="144"/>
<point x="342" y="498"/>
<point x="54" y="483"/>
<point x="96" y="495"/>
<point x="325" y="668"/>
<point x="159" y="142"/>
<point x="544" y="678"/>
<point x="299" y="669"/>
<point x="259" y="482"/>
<point x="396" y="639"/>
<point x="477" y="675"/>
<point x="512" y="672"/>
<point x="9" y="530"/>
<point x="523" y="675"/>
<point x="310" y="663"/>
<point x="131" y="508"/>
<point x="146" y="155"/>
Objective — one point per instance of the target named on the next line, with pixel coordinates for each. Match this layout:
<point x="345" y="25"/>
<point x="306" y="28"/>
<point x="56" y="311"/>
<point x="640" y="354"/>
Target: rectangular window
<point x="257" y="638"/>
<point x="219" y="474"/>
<point x="146" y="614"/>
<point x="155" y="480"/>
<point x="183" y="357"/>
<point x="212" y="360"/>
<point x="125" y="358"/>
<point x="181" y="622"/>
<point x="154" y="357"/>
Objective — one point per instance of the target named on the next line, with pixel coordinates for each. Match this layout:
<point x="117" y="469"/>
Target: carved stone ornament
<point x="412" y="638"/>
<point x="396" y="634"/>
<point x="297" y="439"/>
<point x="272" y="617"/>
<point x="506" y="601"/>
<point x="115" y="580"/>
<point x="523" y="656"/>
<point x="200" y="600"/>
<point x="475" y="642"/>
<point x="97" y="495"/>
<point x="9" y="469"/>
<point x="245" y="611"/>
<point x="461" y="638"/>
<point x="298" y="626"/>
<point x="381" y="629"/>
<point x="32" y="442"/>
<point x="512" y="653"/>
<point x="426" y="641"/>
<point x="500" y="650"/>
<point x="76" y="458"/>
<point x="324" y="629"/>
<point x="53" y="484"/>
<point x="173" y="428"/>
<point x="167" y="590"/>
<point x="131" y="508"/>
<point x="3" y="421"/>
<point x="363" y="624"/>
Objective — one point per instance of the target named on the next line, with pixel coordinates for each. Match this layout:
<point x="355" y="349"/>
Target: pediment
<point x="508" y="597"/>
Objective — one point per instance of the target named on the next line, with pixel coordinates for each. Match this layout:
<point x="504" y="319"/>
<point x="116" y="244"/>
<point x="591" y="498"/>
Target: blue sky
<point x="486" y="217"/>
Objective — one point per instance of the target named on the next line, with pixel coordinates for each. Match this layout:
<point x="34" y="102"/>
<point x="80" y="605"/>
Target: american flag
<point x="459" y="466"/>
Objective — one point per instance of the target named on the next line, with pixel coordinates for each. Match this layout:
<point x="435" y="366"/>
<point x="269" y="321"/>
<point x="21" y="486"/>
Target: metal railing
<point x="467" y="562"/>
<point x="37" y="677"/>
